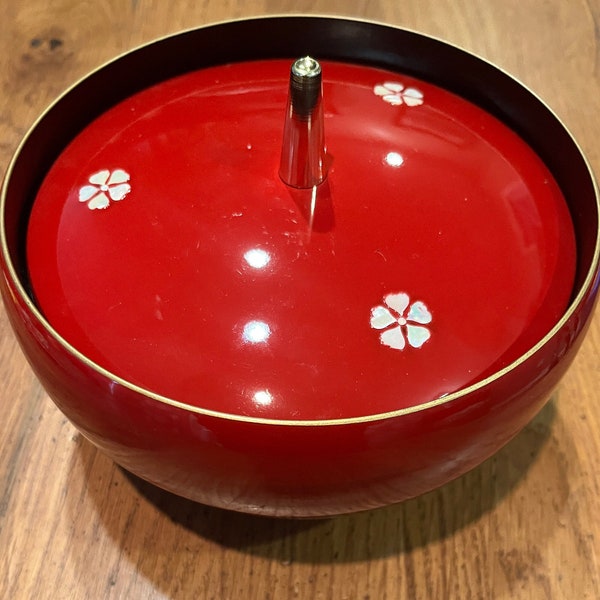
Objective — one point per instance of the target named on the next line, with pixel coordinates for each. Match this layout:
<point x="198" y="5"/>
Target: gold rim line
<point x="591" y="274"/>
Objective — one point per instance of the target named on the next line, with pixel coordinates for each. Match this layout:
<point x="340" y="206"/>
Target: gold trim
<point x="591" y="274"/>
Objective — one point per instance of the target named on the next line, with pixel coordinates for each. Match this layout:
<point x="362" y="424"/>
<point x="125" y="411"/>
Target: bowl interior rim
<point x="340" y="31"/>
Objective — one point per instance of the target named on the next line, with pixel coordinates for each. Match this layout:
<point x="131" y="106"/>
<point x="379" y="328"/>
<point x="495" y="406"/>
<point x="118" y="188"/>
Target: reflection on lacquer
<point x="263" y="397"/>
<point x="256" y="332"/>
<point x="257" y="258"/>
<point x="394" y="159"/>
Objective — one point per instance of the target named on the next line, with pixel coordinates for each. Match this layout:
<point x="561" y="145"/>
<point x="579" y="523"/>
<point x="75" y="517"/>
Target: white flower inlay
<point x="103" y="187"/>
<point x="400" y="325"/>
<point x="395" y="93"/>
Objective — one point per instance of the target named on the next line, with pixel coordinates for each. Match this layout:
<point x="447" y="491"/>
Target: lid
<point x="173" y="244"/>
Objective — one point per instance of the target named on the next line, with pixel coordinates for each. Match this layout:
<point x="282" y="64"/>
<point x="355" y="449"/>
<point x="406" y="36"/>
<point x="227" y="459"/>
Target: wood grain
<point x="526" y="524"/>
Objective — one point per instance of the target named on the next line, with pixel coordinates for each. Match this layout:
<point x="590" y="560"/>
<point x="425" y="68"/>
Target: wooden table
<point x="526" y="524"/>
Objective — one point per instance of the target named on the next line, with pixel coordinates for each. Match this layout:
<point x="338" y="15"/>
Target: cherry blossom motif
<point x="395" y="93"/>
<point x="400" y="325"/>
<point x="105" y="186"/>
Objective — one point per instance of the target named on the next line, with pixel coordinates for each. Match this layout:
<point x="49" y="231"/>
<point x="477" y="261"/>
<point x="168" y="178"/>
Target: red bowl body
<point x="274" y="464"/>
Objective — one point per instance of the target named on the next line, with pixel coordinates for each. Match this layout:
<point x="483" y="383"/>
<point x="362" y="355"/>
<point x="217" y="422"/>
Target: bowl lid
<point x="164" y="245"/>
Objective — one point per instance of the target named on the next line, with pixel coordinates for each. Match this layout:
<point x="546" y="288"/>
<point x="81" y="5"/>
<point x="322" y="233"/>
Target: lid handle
<point x="303" y="148"/>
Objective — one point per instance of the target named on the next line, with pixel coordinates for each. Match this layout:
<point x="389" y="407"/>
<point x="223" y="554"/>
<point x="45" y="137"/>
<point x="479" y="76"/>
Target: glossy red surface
<point x="468" y="223"/>
<point x="208" y="280"/>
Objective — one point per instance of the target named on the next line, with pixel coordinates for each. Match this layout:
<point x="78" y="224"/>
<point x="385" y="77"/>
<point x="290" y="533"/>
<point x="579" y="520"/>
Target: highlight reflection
<point x="257" y="258"/>
<point x="394" y="159"/>
<point x="256" y="332"/>
<point x="263" y="397"/>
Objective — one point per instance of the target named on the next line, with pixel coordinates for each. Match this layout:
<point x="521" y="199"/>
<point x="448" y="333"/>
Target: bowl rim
<point x="588" y="287"/>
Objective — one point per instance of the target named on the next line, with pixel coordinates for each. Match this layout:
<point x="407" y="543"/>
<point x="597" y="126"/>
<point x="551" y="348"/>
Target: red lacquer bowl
<point x="299" y="351"/>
